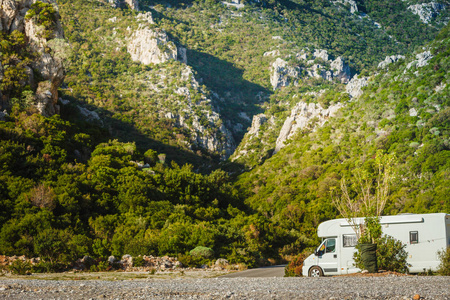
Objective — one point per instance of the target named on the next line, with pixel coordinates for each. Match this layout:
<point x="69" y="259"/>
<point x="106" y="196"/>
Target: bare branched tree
<point x="370" y="200"/>
<point x="42" y="196"/>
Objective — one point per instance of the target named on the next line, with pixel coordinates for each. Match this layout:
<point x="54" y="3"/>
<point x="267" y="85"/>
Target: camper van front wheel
<point x="315" y="272"/>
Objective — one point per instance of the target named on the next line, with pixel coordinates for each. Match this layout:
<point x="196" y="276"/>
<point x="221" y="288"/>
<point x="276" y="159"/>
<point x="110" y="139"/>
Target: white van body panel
<point x="423" y="234"/>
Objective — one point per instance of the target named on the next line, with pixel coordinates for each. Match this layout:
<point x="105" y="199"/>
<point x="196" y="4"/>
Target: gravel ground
<point x="391" y="287"/>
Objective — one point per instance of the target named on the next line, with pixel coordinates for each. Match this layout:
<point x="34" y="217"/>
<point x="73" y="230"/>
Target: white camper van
<point x="423" y="234"/>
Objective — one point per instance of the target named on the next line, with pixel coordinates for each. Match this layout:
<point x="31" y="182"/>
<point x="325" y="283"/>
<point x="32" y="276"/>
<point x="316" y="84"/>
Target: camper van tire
<point x="315" y="271"/>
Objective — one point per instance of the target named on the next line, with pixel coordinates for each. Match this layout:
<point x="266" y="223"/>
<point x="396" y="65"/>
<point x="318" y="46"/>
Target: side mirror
<point x="316" y="253"/>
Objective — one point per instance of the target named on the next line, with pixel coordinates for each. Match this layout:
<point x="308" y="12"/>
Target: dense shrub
<point x="20" y="267"/>
<point x="444" y="266"/>
<point x="203" y="252"/>
<point x="138" y="261"/>
<point x="192" y="261"/>
<point x="391" y="255"/>
<point x="294" y="268"/>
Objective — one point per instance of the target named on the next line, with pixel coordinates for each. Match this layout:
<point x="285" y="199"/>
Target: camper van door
<point x="328" y="256"/>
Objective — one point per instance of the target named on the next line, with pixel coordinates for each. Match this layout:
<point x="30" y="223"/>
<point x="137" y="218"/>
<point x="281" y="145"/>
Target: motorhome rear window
<point x="350" y="240"/>
<point x="413" y="237"/>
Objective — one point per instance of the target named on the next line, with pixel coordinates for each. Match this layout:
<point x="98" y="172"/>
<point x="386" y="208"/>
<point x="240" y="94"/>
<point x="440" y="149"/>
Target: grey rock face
<point x="340" y="70"/>
<point x="150" y="46"/>
<point x="114" y="3"/>
<point x="301" y="117"/>
<point x="257" y="121"/>
<point x="426" y="11"/>
<point x="48" y="65"/>
<point x="354" y="87"/>
<point x="351" y="3"/>
<point x="196" y="114"/>
<point x="389" y="60"/>
<point x="421" y="60"/>
<point x="146" y="17"/>
<point x="133" y="4"/>
<point x="282" y="74"/>
<point x="318" y="65"/>
<point x="273" y="53"/>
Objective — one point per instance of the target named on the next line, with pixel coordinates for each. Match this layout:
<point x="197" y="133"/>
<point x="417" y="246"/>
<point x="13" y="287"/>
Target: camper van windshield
<point x="328" y="246"/>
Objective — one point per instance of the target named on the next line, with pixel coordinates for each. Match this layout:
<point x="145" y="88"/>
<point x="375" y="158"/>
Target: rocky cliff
<point x="304" y="115"/>
<point x="150" y="46"/>
<point x="426" y="11"/>
<point x="351" y="3"/>
<point x="313" y="64"/>
<point x="196" y="115"/>
<point x="36" y="25"/>
<point x="133" y="4"/>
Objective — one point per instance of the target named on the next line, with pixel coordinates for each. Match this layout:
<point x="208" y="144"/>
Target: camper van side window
<point x="349" y="240"/>
<point x="413" y="237"/>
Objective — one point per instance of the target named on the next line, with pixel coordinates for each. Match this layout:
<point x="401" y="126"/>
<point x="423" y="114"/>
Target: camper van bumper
<point x="308" y="263"/>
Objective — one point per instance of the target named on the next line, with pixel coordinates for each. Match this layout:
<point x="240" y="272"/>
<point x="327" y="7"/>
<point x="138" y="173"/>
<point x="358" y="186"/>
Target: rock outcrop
<point x="283" y="74"/>
<point x="133" y="4"/>
<point x="421" y="60"/>
<point x="316" y="65"/>
<point x="257" y="121"/>
<point x="338" y="69"/>
<point x="47" y="63"/>
<point x="351" y="3"/>
<point x="211" y="134"/>
<point x="149" y="46"/>
<point x="355" y="86"/>
<point x="302" y="116"/>
<point x="113" y="3"/>
<point x="426" y="11"/>
<point x="389" y="60"/>
<point x="192" y="109"/>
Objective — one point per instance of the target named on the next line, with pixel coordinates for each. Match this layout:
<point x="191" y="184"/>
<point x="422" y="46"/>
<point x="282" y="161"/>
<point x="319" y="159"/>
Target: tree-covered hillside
<point x="402" y="112"/>
<point x="225" y="49"/>
<point x="131" y="161"/>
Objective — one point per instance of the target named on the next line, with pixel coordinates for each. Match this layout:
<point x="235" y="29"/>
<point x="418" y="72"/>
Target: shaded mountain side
<point x="225" y="48"/>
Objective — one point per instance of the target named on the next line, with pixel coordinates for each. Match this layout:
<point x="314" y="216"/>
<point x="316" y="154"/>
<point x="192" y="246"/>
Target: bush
<point x="103" y="266"/>
<point x="444" y="266"/>
<point x="391" y="255"/>
<point x="294" y="268"/>
<point x="47" y="267"/>
<point x="138" y="261"/>
<point x="20" y="267"/>
<point x="203" y="252"/>
<point x="192" y="261"/>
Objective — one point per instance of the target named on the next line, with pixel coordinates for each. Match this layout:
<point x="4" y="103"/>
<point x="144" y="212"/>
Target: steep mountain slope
<point x="229" y="49"/>
<point x="180" y="81"/>
<point x="403" y="111"/>
<point x="386" y="28"/>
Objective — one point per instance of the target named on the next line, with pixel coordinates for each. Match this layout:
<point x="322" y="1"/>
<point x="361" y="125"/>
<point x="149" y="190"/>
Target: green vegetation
<point x="201" y="251"/>
<point x="65" y="195"/>
<point x="444" y="267"/>
<point x="294" y="268"/>
<point x="225" y="48"/>
<point x="20" y="267"/>
<point x="391" y="255"/>
<point x="292" y="188"/>
<point x="15" y="55"/>
<point x="45" y="15"/>
<point x="135" y="183"/>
